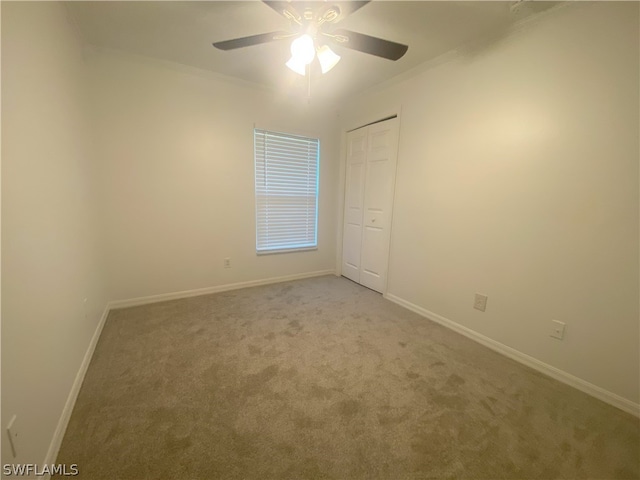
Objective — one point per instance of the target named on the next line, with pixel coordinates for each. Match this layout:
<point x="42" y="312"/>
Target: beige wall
<point x="176" y="154"/>
<point x="518" y="178"/>
<point x="49" y="255"/>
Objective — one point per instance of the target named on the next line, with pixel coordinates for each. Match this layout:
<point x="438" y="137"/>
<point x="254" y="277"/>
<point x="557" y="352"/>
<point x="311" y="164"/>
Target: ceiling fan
<point x="313" y="30"/>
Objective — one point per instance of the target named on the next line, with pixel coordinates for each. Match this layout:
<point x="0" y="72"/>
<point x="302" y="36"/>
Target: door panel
<point x="372" y="261"/>
<point x="379" y="186"/>
<point x="354" y="202"/>
<point x="351" y="252"/>
<point x="355" y="178"/>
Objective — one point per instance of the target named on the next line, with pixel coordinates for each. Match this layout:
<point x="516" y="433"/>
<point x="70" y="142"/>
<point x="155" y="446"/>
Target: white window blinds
<point x="286" y="191"/>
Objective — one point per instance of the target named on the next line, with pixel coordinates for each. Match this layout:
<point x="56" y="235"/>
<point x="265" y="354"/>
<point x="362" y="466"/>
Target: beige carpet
<point x="322" y="378"/>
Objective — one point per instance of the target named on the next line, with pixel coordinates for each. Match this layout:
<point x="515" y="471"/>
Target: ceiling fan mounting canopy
<point x="319" y="23"/>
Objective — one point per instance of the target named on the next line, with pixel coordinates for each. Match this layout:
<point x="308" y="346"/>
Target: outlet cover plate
<point x="480" y="302"/>
<point x="557" y="329"/>
<point x="12" y="432"/>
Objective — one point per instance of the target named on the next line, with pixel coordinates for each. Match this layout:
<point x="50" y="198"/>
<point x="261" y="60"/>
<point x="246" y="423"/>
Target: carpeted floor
<point x="322" y="378"/>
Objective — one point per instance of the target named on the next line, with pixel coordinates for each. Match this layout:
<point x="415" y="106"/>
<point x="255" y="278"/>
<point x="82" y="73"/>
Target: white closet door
<point x="382" y="153"/>
<point x="354" y="203"/>
<point x="370" y="181"/>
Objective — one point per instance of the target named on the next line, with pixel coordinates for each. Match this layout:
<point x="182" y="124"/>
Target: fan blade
<point x="252" y="40"/>
<point x="367" y="44"/>
<point x="285" y="9"/>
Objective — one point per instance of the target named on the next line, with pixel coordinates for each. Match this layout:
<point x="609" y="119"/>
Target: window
<point x="286" y="191"/>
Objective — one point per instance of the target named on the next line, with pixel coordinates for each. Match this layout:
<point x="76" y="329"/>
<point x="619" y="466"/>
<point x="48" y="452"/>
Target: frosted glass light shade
<point x="302" y="49"/>
<point x="297" y="66"/>
<point x="327" y="58"/>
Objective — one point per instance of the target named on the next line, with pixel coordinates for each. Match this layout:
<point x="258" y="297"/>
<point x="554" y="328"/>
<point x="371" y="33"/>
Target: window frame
<point x="288" y="245"/>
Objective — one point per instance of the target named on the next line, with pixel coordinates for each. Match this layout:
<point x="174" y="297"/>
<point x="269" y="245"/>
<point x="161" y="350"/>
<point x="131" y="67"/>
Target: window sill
<point x="285" y="250"/>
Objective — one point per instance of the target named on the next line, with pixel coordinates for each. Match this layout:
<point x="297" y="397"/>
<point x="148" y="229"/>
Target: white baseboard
<point x="56" y="441"/>
<point x="560" y="375"/>
<point x="134" y="302"/>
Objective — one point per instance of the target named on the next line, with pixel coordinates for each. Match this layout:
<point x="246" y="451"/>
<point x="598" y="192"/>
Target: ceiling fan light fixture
<point x="297" y="66"/>
<point x="303" y="49"/>
<point x="327" y="58"/>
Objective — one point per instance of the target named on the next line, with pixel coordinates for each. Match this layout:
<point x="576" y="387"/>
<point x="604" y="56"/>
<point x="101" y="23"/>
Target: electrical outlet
<point x="227" y="262"/>
<point x="12" y="431"/>
<point x="480" y="302"/>
<point x="557" y="329"/>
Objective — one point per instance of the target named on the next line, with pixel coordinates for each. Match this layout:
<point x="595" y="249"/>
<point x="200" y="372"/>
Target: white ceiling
<point x="182" y="32"/>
